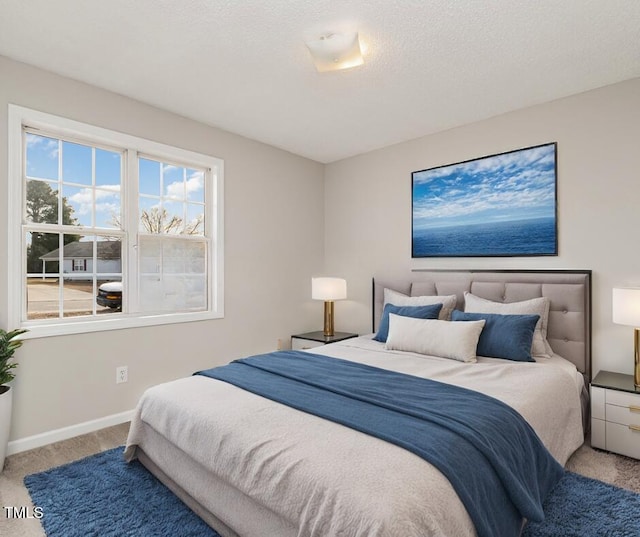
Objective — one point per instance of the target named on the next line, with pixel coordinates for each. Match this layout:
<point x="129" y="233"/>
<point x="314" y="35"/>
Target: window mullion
<point x="94" y="222"/>
<point x="130" y="264"/>
<point x="60" y="179"/>
<point x="61" y="275"/>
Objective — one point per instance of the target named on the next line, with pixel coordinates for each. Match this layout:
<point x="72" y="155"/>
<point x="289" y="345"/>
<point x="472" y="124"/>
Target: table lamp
<point x="626" y="310"/>
<point x="328" y="289"/>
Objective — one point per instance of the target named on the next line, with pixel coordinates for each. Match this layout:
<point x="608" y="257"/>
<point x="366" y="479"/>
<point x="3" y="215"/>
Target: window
<point x="109" y="230"/>
<point x="79" y="265"/>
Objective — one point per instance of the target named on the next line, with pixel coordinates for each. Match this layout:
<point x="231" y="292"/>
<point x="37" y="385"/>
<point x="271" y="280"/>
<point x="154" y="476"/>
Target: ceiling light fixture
<point x="333" y="52"/>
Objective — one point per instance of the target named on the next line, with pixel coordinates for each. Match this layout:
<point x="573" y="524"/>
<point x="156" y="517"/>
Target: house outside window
<point x="92" y="207"/>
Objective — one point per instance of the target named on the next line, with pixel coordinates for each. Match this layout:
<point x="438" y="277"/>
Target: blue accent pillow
<point x="503" y="336"/>
<point x="417" y="312"/>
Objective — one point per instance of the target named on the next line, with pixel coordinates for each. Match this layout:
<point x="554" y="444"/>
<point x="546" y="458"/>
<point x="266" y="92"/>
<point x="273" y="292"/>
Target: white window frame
<point x="214" y="224"/>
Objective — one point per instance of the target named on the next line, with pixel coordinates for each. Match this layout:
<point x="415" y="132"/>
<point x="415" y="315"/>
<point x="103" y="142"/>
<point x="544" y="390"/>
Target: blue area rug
<point x="103" y="495"/>
<point x="583" y="507"/>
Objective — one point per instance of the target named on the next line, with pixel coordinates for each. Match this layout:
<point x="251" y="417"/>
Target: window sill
<point x="118" y="322"/>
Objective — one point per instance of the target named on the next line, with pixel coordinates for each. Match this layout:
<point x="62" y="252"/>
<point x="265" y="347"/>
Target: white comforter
<point x="329" y="480"/>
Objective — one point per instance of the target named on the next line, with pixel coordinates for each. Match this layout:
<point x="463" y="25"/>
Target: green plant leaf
<point x="8" y="346"/>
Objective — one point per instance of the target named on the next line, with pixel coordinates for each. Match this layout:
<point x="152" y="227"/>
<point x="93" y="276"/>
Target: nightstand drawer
<point x="623" y="415"/>
<point x="614" y="397"/>
<point x="621" y="439"/>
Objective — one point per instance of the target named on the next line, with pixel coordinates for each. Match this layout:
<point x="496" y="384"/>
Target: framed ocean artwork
<point x="495" y="206"/>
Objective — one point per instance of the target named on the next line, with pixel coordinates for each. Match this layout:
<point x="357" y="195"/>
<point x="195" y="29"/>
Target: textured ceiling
<point x="242" y="65"/>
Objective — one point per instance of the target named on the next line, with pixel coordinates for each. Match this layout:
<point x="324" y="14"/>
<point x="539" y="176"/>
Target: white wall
<point x="273" y="246"/>
<point x="368" y="204"/>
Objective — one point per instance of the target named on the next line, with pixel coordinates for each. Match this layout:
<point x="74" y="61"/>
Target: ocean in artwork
<point x="536" y="236"/>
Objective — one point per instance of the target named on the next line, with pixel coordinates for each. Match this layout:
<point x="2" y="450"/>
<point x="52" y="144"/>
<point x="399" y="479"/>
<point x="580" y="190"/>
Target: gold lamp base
<point x="636" y="357"/>
<point x="328" y="317"/>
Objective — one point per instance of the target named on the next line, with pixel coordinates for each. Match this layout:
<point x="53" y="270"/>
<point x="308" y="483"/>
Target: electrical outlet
<point x="122" y="374"/>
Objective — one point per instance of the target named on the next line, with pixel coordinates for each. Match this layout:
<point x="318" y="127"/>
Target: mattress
<point x="257" y="467"/>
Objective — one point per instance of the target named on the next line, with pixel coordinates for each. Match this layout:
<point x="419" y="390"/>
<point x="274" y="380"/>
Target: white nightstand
<point x="615" y="414"/>
<point x="317" y="339"/>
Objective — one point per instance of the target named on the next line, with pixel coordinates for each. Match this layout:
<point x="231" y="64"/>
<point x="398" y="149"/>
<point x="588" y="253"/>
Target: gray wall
<point x="368" y="204"/>
<point x="284" y="223"/>
<point x="273" y="246"/>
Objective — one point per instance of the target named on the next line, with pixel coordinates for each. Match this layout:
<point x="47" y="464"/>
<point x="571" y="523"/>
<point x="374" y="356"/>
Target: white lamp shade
<point x="328" y="288"/>
<point x="336" y="51"/>
<point x="626" y="306"/>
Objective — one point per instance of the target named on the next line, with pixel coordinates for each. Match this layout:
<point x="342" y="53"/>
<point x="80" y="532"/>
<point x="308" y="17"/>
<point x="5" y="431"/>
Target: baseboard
<point x="39" y="440"/>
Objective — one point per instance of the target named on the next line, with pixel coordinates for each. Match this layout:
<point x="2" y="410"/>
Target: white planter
<point x="5" y="421"/>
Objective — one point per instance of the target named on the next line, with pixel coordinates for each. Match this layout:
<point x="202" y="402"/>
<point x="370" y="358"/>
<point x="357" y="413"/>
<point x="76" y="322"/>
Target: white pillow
<point x="457" y="340"/>
<point x="534" y="306"/>
<point x="400" y="299"/>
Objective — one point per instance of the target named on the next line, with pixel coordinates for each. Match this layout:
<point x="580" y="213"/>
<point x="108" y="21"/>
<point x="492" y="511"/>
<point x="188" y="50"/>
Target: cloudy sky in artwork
<point x="512" y="186"/>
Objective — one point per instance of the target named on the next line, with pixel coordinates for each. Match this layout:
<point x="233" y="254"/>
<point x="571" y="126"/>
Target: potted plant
<point x="8" y="345"/>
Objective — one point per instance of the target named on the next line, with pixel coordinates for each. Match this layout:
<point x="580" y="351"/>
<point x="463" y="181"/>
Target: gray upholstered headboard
<point x="569" y="291"/>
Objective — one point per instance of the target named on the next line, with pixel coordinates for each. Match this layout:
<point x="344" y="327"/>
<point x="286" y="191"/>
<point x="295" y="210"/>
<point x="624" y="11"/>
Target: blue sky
<point x="181" y="189"/>
<point x="513" y="186"/>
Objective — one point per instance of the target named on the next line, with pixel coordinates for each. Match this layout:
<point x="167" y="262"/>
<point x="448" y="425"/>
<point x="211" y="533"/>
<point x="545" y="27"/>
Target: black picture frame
<point x="500" y="205"/>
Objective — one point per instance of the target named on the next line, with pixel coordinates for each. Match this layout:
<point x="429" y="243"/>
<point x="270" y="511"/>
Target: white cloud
<point x="498" y="165"/>
<point x="517" y="183"/>
<point x="107" y="199"/>
<point x="194" y="183"/>
<point x="479" y="200"/>
<point x="48" y="146"/>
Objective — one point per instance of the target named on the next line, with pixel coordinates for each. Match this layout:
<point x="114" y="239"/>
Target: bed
<point x="250" y="466"/>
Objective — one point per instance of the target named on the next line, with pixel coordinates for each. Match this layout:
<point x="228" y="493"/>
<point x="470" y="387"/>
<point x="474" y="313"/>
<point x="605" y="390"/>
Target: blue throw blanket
<point x="494" y="460"/>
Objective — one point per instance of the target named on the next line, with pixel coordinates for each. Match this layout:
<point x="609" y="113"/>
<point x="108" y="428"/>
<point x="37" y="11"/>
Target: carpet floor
<point x="103" y="495"/>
